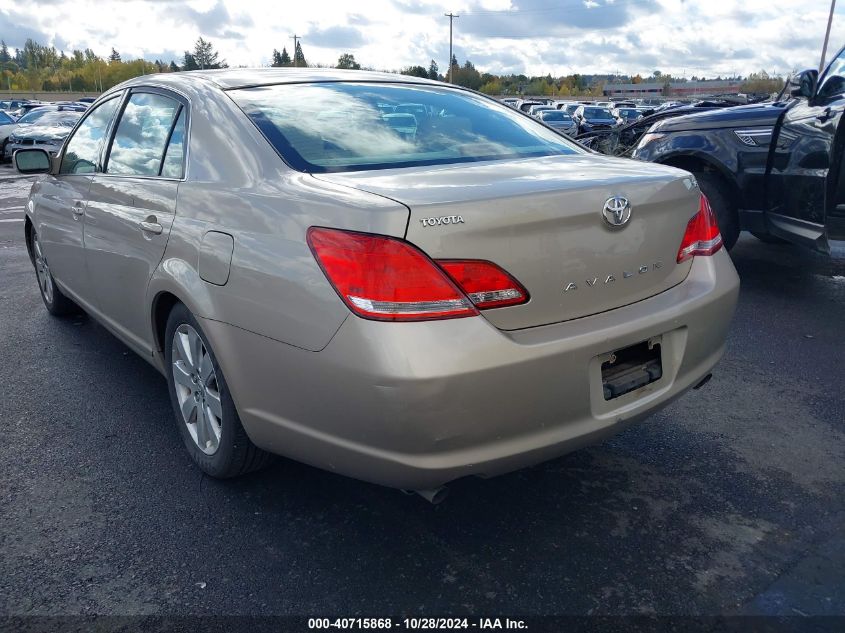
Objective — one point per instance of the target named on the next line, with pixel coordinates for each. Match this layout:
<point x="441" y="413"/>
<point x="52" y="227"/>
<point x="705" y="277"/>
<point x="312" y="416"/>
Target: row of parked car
<point x="579" y="117"/>
<point x="30" y="123"/>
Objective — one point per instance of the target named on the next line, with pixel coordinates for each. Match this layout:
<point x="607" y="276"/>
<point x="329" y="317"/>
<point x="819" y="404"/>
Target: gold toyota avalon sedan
<point x="386" y="277"/>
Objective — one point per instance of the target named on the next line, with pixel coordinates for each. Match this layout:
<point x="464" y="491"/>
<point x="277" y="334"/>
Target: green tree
<point x="114" y="57"/>
<point x="415" y="71"/>
<point x="173" y="67"/>
<point x="433" y="70"/>
<point x="277" y="59"/>
<point x="206" y="57"/>
<point x="189" y="63"/>
<point x="286" y="60"/>
<point x="298" y="56"/>
<point x="347" y="61"/>
<point x="4" y="53"/>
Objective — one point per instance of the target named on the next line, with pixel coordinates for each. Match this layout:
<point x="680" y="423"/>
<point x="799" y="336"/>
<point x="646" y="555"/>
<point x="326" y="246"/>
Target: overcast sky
<point x="691" y="37"/>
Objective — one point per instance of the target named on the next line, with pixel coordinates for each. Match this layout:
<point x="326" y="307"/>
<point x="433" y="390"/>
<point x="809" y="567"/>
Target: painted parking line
<point x="13" y="220"/>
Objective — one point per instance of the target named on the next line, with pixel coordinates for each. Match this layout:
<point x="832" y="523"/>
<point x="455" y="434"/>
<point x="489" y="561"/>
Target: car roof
<point x="229" y="78"/>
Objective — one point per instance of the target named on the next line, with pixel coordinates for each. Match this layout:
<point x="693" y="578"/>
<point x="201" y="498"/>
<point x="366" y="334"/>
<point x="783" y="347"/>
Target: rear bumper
<point x="416" y="405"/>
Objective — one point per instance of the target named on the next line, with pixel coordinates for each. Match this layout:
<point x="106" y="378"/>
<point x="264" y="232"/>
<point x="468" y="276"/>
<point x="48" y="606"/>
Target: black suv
<point x="774" y="169"/>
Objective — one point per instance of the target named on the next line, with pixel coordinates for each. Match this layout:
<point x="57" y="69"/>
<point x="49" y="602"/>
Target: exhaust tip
<point x="703" y="381"/>
<point x="434" y="496"/>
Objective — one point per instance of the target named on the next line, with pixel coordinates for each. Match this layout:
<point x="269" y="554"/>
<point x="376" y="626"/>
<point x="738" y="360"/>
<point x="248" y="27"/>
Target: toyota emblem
<point x="617" y="211"/>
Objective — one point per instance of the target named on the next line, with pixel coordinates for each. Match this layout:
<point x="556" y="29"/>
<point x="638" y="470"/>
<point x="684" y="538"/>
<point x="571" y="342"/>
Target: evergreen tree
<point x="115" y="56"/>
<point x="415" y="71"/>
<point x="433" y="70"/>
<point x="277" y="59"/>
<point x="285" y="58"/>
<point x="348" y="62"/>
<point x="173" y="67"/>
<point x="298" y="57"/>
<point x="4" y="53"/>
<point x="189" y="63"/>
<point x="205" y="56"/>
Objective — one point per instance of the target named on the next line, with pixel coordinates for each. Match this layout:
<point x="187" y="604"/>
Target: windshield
<point x="54" y="118"/>
<point x="5" y="118"/>
<point x="443" y="126"/>
<point x="628" y="112"/>
<point x="33" y="115"/>
<point x="555" y="115"/>
<point x="597" y="113"/>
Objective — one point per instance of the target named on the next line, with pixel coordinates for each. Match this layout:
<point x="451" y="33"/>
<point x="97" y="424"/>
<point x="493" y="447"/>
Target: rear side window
<point x="335" y="126"/>
<point x="83" y="148"/>
<point x="142" y="135"/>
<point x="174" y="157"/>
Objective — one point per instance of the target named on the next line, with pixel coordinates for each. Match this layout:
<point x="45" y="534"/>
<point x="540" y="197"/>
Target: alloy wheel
<point x="43" y="271"/>
<point x="197" y="389"/>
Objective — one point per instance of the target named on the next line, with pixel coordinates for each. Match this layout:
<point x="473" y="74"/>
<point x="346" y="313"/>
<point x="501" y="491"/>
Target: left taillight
<point x="702" y="236"/>
<point x="387" y="279"/>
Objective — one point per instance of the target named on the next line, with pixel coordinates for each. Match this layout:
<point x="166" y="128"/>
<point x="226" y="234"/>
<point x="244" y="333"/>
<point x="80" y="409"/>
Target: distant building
<point x="676" y="89"/>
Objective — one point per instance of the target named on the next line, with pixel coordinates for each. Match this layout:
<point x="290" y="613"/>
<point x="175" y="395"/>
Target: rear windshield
<point x="597" y="113"/>
<point x="326" y="127"/>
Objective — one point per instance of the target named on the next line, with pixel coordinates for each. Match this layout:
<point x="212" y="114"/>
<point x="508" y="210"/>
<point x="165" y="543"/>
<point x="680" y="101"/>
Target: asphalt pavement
<point x="730" y="501"/>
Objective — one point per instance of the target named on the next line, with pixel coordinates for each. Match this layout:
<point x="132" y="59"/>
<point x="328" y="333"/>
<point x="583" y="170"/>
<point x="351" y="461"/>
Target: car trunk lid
<point x="542" y="220"/>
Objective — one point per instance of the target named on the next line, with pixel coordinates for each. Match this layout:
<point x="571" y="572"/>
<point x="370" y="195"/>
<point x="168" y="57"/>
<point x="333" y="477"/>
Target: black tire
<point x="768" y="238"/>
<point x="715" y="189"/>
<point x="235" y="454"/>
<point x="56" y="302"/>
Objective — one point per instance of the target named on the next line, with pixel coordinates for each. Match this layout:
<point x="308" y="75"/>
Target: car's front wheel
<point x="205" y="412"/>
<point x="54" y="299"/>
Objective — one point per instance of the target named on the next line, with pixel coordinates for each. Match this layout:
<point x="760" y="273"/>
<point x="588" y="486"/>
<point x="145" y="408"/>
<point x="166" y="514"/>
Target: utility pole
<point x="452" y="17"/>
<point x="295" y="38"/>
<point x="827" y="35"/>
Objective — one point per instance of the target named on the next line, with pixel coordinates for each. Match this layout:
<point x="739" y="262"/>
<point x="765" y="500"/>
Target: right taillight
<point x="702" y="236"/>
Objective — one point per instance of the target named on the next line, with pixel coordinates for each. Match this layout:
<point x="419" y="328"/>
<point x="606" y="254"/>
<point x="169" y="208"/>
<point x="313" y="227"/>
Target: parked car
<point x="559" y="120"/>
<point x="626" y="115"/>
<point x="570" y="108"/>
<point x="536" y="109"/>
<point x="526" y="104"/>
<point x="408" y="311"/>
<point x="510" y="102"/>
<point x="592" y="118"/>
<point x="7" y="126"/>
<point x="88" y="100"/>
<point x="47" y="133"/>
<point x="774" y="169"/>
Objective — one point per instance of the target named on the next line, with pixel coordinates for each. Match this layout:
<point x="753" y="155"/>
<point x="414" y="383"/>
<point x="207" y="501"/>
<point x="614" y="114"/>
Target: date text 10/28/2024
<point x="416" y="623"/>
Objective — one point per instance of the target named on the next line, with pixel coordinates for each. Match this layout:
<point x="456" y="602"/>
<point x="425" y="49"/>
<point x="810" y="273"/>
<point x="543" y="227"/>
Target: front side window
<point x="142" y="135"/>
<point x="83" y="148"/>
<point x="324" y="127"/>
<point x="5" y="119"/>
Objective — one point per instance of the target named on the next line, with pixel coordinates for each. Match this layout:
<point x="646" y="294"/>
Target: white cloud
<point x="695" y="37"/>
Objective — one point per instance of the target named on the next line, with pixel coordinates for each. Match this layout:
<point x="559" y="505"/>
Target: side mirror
<point x="32" y="161"/>
<point x="803" y="84"/>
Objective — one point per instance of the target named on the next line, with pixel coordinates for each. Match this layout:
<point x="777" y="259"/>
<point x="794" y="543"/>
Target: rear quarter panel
<point x="236" y="184"/>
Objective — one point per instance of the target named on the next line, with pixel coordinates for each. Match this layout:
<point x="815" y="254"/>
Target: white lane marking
<point x="13" y="220"/>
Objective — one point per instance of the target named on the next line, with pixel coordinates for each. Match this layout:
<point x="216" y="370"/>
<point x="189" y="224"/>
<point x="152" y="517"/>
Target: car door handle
<point x="151" y="226"/>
